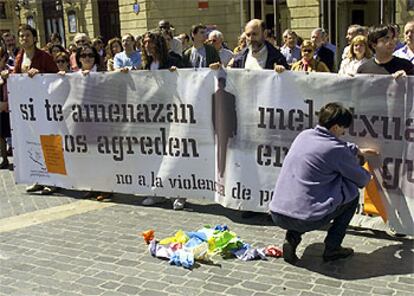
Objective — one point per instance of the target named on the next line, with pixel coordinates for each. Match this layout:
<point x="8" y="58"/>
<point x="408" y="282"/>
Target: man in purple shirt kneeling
<point x="318" y="183"/>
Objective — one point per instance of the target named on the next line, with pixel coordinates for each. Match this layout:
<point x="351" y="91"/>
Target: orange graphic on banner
<point x="53" y="154"/>
<point x="372" y="198"/>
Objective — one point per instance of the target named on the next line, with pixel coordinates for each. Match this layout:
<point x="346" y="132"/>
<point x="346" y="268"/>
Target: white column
<point x="262" y="10"/>
<point x="242" y="21"/>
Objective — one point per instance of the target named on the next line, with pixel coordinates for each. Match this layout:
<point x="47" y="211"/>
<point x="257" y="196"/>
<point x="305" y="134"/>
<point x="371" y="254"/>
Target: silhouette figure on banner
<point x="224" y="121"/>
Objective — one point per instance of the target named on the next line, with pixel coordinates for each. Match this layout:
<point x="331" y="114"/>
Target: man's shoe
<point x="34" y="187"/>
<point x="179" y="204"/>
<point x="289" y="252"/>
<point x="152" y="200"/>
<point x="337" y="253"/>
<point x="104" y="196"/>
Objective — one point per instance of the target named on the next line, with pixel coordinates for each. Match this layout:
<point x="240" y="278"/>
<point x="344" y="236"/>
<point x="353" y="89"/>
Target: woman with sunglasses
<point x="307" y="63"/>
<point x="87" y="59"/>
<point x="358" y="54"/>
<point x="62" y="62"/>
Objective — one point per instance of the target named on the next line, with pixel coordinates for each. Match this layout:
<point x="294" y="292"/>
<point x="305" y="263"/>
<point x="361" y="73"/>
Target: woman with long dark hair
<point x="156" y="54"/>
<point x="87" y="59"/>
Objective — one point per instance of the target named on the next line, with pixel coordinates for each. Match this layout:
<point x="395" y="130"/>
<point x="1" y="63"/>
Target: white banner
<point x="204" y="134"/>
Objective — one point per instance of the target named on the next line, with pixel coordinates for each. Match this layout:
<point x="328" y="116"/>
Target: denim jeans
<point x="336" y="233"/>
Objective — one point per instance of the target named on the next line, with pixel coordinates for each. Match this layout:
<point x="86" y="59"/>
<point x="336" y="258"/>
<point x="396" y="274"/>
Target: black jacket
<point x="327" y="56"/>
<point x="274" y="56"/>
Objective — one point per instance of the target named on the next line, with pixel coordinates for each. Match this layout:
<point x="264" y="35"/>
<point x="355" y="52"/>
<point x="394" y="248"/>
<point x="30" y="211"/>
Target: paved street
<point x="64" y="245"/>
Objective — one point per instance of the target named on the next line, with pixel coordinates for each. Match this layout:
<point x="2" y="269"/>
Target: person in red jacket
<point x="32" y="60"/>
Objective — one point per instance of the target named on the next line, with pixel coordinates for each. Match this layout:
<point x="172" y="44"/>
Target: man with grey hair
<point x="290" y="48"/>
<point x="322" y="53"/>
<point x="215" y="38"/>
<point x="80" y="40"/>
<point x="351" y="33"/>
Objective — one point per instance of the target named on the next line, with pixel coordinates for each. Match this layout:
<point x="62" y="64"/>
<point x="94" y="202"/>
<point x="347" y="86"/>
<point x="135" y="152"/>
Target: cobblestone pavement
<point x="99" y="252"/>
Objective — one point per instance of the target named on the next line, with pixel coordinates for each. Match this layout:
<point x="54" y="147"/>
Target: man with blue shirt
<point x="290" y="49"/>
<point x="130" y="58"/>
<point x="318" y="183"/>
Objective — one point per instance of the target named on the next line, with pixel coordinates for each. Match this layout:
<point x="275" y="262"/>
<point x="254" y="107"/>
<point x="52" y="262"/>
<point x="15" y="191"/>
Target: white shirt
<point x="345" y="52"/>
<point x="155" y="66"/>
<point x="350" y="67"/>
<point x="198" y="57"/>
<point x="26" y="63"/>
<point x="256" y="61"/>
<point x="405" y="53"/>
<point x="225" y="56"/>
<point x="177" y="46"/>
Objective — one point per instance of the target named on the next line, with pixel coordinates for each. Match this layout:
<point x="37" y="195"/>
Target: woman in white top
<point x="358" y="54"/>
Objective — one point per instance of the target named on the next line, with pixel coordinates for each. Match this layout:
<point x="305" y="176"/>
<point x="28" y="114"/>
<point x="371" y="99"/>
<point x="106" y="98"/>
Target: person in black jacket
<point x="322" y="53"/>
<point x="259" y="54"/>
<point x="156" y="54"/>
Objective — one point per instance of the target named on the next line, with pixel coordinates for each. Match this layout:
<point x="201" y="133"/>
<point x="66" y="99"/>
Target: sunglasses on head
<point x="89" y="55"/>
<point x="60" y="61"/>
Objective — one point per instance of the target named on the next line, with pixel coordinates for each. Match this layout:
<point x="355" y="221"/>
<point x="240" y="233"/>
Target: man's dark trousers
<point x="341" y="217"/>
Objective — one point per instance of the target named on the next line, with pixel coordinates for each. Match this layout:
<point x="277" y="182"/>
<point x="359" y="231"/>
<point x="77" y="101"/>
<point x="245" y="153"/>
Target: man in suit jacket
<point x="201" y="55"/>
<point x="322" y="52"/>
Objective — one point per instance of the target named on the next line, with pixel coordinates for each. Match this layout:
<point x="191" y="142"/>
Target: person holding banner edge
<point x="319" y="182"/>
<point x="382" y="41"/>
<point x="32" y="60"/>
<point x="259" y="54"/>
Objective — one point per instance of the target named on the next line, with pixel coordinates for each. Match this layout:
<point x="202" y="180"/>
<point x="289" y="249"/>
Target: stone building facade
<point x="109" y="18"/>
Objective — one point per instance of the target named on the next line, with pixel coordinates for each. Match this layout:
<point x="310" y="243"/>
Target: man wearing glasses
<point x="175" y="44"/>
<point x="259" y="54"/>
<point x="215" y="38"/>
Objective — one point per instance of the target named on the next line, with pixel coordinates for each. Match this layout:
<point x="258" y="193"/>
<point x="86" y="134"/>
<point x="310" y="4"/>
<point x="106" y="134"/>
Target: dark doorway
<point x="109" y="19"/>
<point x="358" y="17"/>
<point x="53" y="17"/>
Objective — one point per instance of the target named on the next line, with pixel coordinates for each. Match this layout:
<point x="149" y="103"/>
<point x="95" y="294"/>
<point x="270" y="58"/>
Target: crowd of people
<point x="375" y="50"/>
